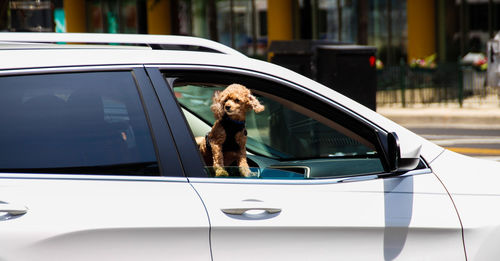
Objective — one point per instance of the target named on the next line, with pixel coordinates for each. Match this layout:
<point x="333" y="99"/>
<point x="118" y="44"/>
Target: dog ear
<point x="216" y="106"/>
<point x="255" y="104"/>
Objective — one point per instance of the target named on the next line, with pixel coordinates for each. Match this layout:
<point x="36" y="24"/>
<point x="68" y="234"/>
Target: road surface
<point x="481" y="143"/>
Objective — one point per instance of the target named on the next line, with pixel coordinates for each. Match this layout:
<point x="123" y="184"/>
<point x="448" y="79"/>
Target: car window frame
<point x="163" y="144"/>
<point x="189" y="157"/>
<point x="380" y="133"/>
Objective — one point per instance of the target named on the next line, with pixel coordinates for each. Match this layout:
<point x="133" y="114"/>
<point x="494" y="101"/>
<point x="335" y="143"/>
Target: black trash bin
<point x="347" y="69"/>
<point x="31" y="16"/>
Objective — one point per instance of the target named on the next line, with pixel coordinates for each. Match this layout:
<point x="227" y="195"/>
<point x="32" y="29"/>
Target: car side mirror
<point x="396" y="162"/>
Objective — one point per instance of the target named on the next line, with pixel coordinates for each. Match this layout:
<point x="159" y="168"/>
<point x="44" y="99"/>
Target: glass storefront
<point x="115" y="16"/>
<point x="240" y="25"/>
<point x="461" y="25"/>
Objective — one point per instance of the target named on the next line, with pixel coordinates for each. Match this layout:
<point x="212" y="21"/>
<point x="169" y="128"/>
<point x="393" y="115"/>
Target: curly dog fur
<point x="226" y="141"/>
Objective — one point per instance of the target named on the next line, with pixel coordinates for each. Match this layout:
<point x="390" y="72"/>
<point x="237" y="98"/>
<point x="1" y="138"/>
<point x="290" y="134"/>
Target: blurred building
<point x="399" y="29"/>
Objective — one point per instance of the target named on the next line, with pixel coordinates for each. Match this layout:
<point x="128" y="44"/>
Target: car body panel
<point x="75" y="217"/>
<point x="395" y="218"/>
<point x="474" y="186"/>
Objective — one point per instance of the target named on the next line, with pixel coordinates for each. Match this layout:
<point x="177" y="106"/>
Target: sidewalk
<point x="474" y="117"/>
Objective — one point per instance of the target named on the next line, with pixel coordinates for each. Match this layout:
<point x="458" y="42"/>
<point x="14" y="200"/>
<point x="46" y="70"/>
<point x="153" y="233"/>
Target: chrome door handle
<point x="13" y="210"/>
<point x="241" y="211"/>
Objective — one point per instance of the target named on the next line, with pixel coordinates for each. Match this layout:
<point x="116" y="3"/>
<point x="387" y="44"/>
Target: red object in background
<point x="372" y="60"/>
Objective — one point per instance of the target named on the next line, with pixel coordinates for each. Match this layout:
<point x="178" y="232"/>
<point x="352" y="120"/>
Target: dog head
<point x="234" y="101"/>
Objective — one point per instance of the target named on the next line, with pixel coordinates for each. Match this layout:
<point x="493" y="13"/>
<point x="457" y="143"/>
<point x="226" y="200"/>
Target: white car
<point x="98" y="162"/>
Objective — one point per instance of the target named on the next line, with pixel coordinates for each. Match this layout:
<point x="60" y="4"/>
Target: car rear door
<point x="89" y="171"/>
<point x="339" y="207"/>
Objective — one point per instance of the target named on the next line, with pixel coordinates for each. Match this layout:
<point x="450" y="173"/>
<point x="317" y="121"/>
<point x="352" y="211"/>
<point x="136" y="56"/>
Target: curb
<point x="444" y="117"/>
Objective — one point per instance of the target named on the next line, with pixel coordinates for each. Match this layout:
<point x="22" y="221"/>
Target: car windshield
<point x="284" y="130"/>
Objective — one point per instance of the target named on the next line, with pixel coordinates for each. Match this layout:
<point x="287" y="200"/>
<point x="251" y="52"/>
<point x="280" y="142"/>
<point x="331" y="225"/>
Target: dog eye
<point x="237" y="100"/>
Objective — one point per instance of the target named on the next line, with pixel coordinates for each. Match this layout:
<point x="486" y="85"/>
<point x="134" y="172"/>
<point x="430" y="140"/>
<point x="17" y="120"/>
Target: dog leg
<point x="242" y="158"/>
<point x="218" y="159"/>
<point x="244" y="168"/>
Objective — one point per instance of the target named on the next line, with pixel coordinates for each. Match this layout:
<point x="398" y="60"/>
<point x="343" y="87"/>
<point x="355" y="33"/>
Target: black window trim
<point x="166" y="152"/>
<point x="189" y="157"/>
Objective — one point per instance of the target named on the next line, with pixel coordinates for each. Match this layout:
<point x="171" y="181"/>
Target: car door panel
<point x="366" y="217"/>
<point x="397" y="218"/>
<point x="89" y="218"/>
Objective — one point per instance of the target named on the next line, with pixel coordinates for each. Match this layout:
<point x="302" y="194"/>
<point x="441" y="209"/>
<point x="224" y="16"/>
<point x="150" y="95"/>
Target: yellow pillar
<point x="421" y="28"/>
<point x="279" y="20"/>
<point x="159" y="17"/>
<point x="76" y="20"/>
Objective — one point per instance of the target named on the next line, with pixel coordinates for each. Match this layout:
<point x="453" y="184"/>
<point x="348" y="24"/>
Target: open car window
<point x="288" y="140"/>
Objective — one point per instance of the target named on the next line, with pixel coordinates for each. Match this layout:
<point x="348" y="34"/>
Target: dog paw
<point x="221" y="173"/>
<point x="253" y="175"/>
<point x="247" y="173"/>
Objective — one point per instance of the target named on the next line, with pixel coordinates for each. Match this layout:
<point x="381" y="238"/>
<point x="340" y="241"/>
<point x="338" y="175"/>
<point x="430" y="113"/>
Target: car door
<point x="322" y="191"/>
<point x="89" y="171"/>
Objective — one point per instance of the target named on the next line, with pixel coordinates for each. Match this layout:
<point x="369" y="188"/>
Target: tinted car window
<point x="83" y="123"/>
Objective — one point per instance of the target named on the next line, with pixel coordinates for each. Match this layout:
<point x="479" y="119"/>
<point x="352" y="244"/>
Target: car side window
<point x="74" y="123"/>
<point x="289" y="139"/>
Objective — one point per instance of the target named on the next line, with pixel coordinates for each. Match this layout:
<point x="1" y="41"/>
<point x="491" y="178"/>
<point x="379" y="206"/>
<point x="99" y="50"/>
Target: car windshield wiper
<point x="140" y="168"/>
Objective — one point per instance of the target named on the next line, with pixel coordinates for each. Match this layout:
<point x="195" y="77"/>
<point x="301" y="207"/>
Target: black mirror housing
<point x="396" y="163"/>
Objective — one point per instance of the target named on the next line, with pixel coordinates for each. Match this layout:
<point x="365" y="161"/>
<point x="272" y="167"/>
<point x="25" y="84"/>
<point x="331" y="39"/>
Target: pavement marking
<point x="493" y="158"/>
<point x="451" y="140"/>
<point x="475" y="151"/>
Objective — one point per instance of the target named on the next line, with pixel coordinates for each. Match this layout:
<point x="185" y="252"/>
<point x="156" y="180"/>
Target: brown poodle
<point x="225" y="143"/>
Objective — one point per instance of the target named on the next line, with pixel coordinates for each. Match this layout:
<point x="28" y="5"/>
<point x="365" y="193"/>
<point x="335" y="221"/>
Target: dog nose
<point x="228" y="107"/>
